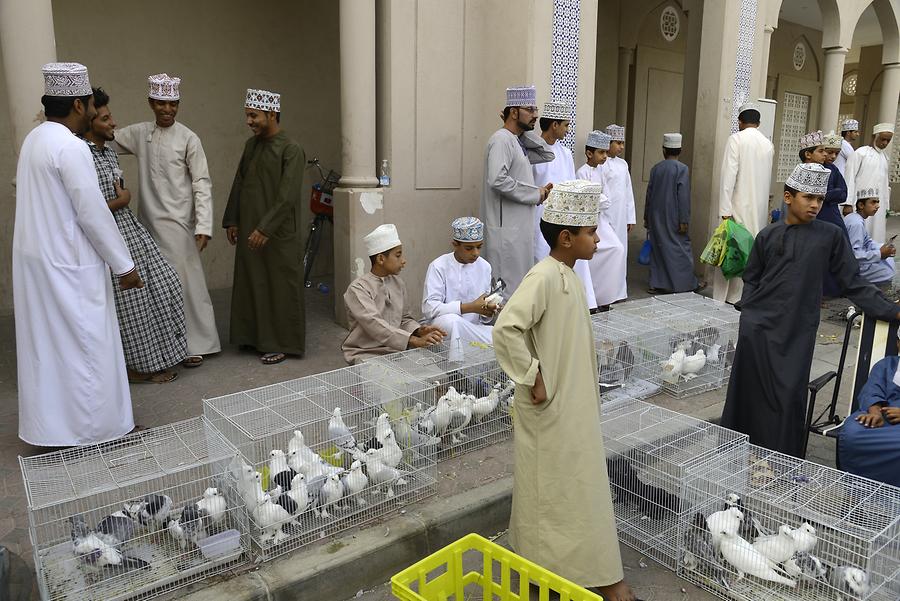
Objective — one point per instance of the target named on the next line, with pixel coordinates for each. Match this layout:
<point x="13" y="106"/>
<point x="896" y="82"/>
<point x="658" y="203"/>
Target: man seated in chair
<point x="869" y="443"/>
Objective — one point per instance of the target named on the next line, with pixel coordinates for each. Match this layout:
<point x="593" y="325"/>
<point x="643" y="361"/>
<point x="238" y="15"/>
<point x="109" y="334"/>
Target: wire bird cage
<point x="471" y="396"/>
<point x="855" y="553"/>
<point x="694" y="346"/>
<point x="268" y="419"/>
<point x="626" y="370"/>
<point x="81" y="553"/>
<point x="651" y="455"/>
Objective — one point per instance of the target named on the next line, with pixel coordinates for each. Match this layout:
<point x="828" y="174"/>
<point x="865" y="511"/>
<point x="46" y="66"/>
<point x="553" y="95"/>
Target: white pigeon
<point x="506" y="394"/>
<point x="280" y="473"/>
<point x="454" y="396"/>
<point x="849" y="581"/>
<point x="297" y="446"/>
<point x="339" y="433"/>
<point x="213" y="503"/>
<point x="246" y="484"/>
<point x="355" y="481"/>
<point x="379" y="473"/>
<point x="271" y="518"/>
<point x="671" y="369"/>
<point x="382" y="427"/>
<point x="747" y="560"/>
<point x="712" y="357"/>
<point x="693" y="363"/>
<point x="295" y="462"/>
<point x="190" y="526"/>
<point x="408" y="436"/>
<point x="389" y="454"/>
<point x="440" y="417"/>
<point x="486" y="404"/>
<point x="332" y="492"/>
<point x="727" y="520"/>
<point x="460" y="417"/>
<point x="777" y="548"/>
<point x="299" y="493"/>
<point x="805" y="537"/>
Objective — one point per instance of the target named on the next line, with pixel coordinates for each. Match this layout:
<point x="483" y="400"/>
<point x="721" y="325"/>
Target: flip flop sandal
<point x="272" y="358"/>
<point x="192" y="361"/>
<point x="161" y="377"/>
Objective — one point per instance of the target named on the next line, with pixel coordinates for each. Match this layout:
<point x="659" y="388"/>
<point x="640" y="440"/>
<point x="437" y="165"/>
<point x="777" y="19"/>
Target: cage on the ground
<point x="651" y="455"/>
<point x="319" y="426"/>
<point x="470" y="395"/>
<point x="694" y="347"/>
<point x="134" y="518"/>
<point x="828" y="534"/>
<point x="626" y="369"/>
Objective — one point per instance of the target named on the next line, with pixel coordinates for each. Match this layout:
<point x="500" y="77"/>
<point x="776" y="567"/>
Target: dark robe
<point x="831" y="212"/>
<point x="779" y="320"/>
<point x="668" y="205"/>
<point x="267" y="305"/>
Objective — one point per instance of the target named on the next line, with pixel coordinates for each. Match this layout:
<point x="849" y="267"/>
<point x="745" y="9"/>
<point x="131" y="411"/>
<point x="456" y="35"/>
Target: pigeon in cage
<point x="453" y="396"/>
<point x="507" y="393"/>
<point x="705" y="337"/>
<point x="485" y="405"/>
<point x="382" y="427"/>
<point x="712" y="357"/>
<point x="728" y="356"/>
<point x="460" y="417"/>
<point x="700" y="554"/>
<point x="747" y="560"/>
<point x="96" y="554"/>
<point x="671" y="369"/>
<point x="806" y="538"/>
<point x="693" y="364"/>
<point x="279" y="471"/>
<point x="849" y="582"/>
<point x="117" y="528"/>
<point x="777" y="548"/>
<point x="190" y="526"/>
<point x="381" y="474"/>
<point x="151" y="511"/>
<point x="389" y="453"/>
<point x="652" y="501"/>
<point x="299" y="494"/>
<point x="272" y="519"/>
<point x="341" y="436"/>
<point x="331" y="494"/>
<point x="440" y="416"/>
<point x="213" y="504"/>
<point x="750" y="527"/>
<point x="617" y="362"/>
<point x="302" y="453"/>
<point x="683" y="342"/>
<point x="806" y="566"/>
<point x="726" y="520"/>
<point x="409" y="435"/>
<point x="355" y="481"/>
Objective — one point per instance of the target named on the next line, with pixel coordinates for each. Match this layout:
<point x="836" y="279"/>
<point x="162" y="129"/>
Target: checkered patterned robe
<point x="151" y="319"/>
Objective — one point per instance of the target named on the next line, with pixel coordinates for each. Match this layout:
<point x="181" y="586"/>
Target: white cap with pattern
<point x="811" y="178"/>
<point x="573" y="203"/>
<point x="748" y="106"/>
<point x="263" y="100"/>
<point x="864" y="193"/>
<point x="616" y="132"/>
<point x="381" y="239"/>
<point x="672" y="140"/>
<point x="66" y="79"/>
<point x="558" y="110"/>
<point x="521" y="96"/>
<point x="163" y="87"/>
<point x="850" y="125"/>
<point x="812" y="139"/>
<point x="832" y="141"/>
<point x="598" y="140"/>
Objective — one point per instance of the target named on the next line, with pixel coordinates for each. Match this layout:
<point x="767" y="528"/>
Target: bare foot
<point x="620" y="591"/>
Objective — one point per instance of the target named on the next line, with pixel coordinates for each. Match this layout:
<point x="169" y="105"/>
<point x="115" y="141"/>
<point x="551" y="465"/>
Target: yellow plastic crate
<point x="441" y="576"/>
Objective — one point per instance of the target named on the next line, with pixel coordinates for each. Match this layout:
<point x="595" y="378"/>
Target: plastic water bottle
<point x="384" y="180"/>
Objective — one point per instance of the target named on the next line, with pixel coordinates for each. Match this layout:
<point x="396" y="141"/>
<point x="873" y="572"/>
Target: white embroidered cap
<point x="672" y="140"/>
<point x="850" y="125"/>
<point x="832" y="141"/>
<point x="883" y="128"/>
<point x="598" y="139"/>
<point x="381" y="239"/>
<point x="467" y="229"/>
<point x="263" y="100"/>
<point x="66" y="79"/>
<point x="811" y="178"/>
<point x="812" y="139"/>
<point x="748" y="106"/>
<point x="163" y="87"/>
<point x="561" y="111"/>
<point x="616" y="132"/>
<point x="521" y="96"/>
<point x="864" y="193"/>
<point x="573" y="203"/>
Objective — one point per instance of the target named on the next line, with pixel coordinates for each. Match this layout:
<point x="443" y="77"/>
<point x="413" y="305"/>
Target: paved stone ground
<point x="233" y="370"/>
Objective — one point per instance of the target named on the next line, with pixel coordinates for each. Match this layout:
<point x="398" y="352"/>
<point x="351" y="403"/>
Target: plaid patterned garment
<point x="151" y="319"/>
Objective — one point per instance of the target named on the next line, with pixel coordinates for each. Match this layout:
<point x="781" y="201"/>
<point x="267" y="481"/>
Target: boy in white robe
<point x="554" y="124"/>
<point x="849" y="134"/>
<point x="607" y="266"/>
<point x="456" y="287"/>
<point x="868" y="168"/>
<point x="617" y="187"/>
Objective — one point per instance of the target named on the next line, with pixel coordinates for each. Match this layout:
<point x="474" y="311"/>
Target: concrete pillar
<point x="626" y="59"/>
<point x="890" y="91"/>
<point x="27" y="42"/>
<point x="762" y="71"/>
<point x="831" y="88"/>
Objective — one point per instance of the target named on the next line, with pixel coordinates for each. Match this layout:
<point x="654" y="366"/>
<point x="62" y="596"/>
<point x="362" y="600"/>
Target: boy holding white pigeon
<point x="562" y="514"/>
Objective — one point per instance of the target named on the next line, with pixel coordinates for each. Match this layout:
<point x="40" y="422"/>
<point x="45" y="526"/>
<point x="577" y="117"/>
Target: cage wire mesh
<point x="99" y="514"/>
<point x="828" y="534"/>
<point x="626" y="369"/>
<point x="651" y="455"/>
<point x="469" y="404"/>
<point x="694" y="346"/>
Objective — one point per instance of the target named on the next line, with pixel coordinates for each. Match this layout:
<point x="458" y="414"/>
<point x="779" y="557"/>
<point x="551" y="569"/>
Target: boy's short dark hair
<point x="589" y="148"/>
<point x="750" y="117"/>
<point x="101" y="98"/>
<point x="546" y="122"/>
<point x="844" y="132"/>
<point x="790" y="190"/>
<point x="551" y="232"/>
<point x="373" y="258"/>
<point x="671" y="152"/>
<point x="506" y="111"/>
<point x="59" y="107"/>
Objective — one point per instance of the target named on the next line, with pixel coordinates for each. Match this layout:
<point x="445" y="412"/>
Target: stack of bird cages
<point x="471" y="396"/>
<point x="695" y="346"/>
<point x="651" y="455"/>
<point x="100" y="516"/>
<point x="626" y="369"/>
<point x="321" y="426"/>
<point x="840" y="532"/>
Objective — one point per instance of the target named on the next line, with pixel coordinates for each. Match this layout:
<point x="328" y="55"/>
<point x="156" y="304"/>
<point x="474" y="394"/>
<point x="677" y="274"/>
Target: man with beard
<point x="509" y="194"/>
<point x="868" y="168"/>
<point x="73" y="389"/>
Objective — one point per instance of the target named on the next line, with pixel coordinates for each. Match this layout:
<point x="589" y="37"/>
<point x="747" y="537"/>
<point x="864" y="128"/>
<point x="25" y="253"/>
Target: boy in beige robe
<point x="378" y="306"/>
<point x="562" y="513"/>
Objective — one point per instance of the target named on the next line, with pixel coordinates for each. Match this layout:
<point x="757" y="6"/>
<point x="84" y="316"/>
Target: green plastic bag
<point x="737" y="250"/>
<point x="714" y="252"/>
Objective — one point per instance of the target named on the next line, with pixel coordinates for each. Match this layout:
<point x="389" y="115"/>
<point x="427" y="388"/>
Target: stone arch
<point x="888" y="13"/>
<point x="811" y="56"/>
<point x="630" y="30"/>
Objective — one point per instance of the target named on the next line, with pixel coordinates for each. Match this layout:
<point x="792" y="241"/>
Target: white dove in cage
<point x="190" y="526"/>
<point x="440" y="417"/>
<point x="726" y="520"/>
<point x="341" y="435"/>
<point x="299" y="494"/>
<point x="747" y="560"/>
<point x="389" y="454"/>
<point x="408" y="435"/>
<point x="692" y="364"/>
<point x="379" y="473"/>
<point x="672" y="368"/>
<point x="331" y="494"/>
<point x="459" y="418"/>
<point x="454" y="396"/>
<point x="779" y="547"/>
<point x="280" y="473"/>
<point x="382" y="427"/>
<point x="297" y="446"/>
<point x="95" y="553"/>
<point x="849" y="581"/>
<point x="355" y="481"/>
<point x="486" y="404"/>
<point x="751" y="528"/>
<point x="213" y="503"/>
<point x="712" y="357"/>
<point x="806" y="538"/>
<point x="272" y="518"/>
